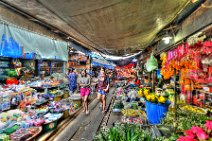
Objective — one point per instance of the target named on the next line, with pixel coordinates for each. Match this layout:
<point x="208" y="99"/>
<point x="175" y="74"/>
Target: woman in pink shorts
<point x="84" y="82"/>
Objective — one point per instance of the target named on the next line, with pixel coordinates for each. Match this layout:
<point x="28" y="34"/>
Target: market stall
<point x="34" y="107"/>
<point x="161" y="113"/>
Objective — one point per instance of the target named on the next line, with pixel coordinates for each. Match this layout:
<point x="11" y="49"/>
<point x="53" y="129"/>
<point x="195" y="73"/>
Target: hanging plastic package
<point x="159" y="76"/>
<point x="151" y="63"/>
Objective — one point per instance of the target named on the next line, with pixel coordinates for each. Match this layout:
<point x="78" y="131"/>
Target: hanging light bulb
<point x="167" y="38"/>
<point x="134" y="60"/>
<point x="194" y="1"/>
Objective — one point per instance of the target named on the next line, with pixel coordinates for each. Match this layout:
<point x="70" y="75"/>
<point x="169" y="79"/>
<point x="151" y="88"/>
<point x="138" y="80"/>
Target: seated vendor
<point x="42" y="75"/>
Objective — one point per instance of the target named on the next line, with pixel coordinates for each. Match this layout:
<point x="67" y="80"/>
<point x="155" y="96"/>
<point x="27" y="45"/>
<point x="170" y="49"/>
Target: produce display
<point x="132" y="120"/>
<point x="33" y="110"/>
<point x="4" y="137"/>
<point x="142" y="108"/>
<point x="118" y="106"/>
<point x="50" y="117"/>
<point x="133" y="113"/>
<point x="125" y="71"/>
<point x="194" y="109"/>
<point x="24" y="134"/>
<point x="183" y="122"/>
<point x="45" y="83"/>
<point x="58" y="107"/>
<point x="124" y="132"/>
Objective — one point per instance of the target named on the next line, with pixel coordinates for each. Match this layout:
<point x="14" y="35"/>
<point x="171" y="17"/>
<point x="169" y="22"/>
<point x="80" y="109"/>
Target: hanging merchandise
<point x="29" y="56"/>
<point x="151" y="63"/>
<point x="193" y="63"/>
<point x="125" y="71"/>
<point x="159" y="76"/>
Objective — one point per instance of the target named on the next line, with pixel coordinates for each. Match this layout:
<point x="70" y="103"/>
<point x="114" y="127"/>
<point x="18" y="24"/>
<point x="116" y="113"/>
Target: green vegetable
<point x="118" y="105"/>
<point x="122" y="132"/>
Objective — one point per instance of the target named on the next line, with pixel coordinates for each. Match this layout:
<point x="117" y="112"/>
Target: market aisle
<point x="85" y="127"/>
<point x="111" y="117"/>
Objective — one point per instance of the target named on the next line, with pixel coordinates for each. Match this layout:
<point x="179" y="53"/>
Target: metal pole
<point x="175" y="102"/>
<point x="153" y="84"/>
<point x="91" y="70"/>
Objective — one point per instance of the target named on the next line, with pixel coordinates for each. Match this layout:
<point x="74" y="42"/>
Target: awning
<point x="102" y="63"/>
<point x="14" y="41"/>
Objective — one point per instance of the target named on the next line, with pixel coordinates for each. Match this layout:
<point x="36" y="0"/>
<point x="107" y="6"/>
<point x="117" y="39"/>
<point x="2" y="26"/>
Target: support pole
<point x="175" y="101"/>
<point x="153" y="83"/>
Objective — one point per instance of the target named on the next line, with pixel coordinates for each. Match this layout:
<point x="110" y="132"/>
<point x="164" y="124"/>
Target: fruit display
<point x="132" y="113"/>
<point x="194" y="109"/>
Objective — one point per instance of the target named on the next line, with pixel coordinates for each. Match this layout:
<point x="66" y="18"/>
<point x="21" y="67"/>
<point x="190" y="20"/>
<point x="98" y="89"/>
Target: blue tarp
<point x="96" y="64"/>
<point x="16" y="42"/>
<point x="102" y="63"/>
<point x="79" y="48"/>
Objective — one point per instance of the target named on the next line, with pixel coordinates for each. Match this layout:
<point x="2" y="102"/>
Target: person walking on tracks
<point x="84" y="83"/>
<point x="103" y="87"/>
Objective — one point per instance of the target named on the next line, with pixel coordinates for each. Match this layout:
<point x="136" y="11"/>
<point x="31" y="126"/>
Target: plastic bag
<point x="151" y="63"/>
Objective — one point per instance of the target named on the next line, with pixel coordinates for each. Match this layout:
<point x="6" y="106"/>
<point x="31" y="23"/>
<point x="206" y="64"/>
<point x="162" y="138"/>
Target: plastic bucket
<point x="156" y="112"/>
<point x="152" y="112"/>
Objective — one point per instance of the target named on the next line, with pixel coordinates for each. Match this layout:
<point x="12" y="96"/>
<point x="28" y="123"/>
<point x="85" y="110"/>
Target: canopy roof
<point x="113" y="26"/>
<point x="102" y="63"/>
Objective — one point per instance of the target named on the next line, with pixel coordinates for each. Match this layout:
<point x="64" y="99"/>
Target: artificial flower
<point x="202" y="135"/>
<point x="208" y="125"/>
<point x="197" y="129"/>
<point x="189" y="133"/>
<point x="186" y="138"/>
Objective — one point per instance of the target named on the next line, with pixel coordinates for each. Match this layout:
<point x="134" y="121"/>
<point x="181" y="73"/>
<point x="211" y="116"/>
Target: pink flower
<point x="197" y="129"/>
<point x="189" y="133"/>
<point x="186" y="138"/>
<point x="202" y="136"/>
<point x="208" y="124"/>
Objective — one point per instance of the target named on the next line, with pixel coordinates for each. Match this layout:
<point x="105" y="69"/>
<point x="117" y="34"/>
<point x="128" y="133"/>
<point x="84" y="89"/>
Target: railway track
<point x="81" y="126"/>
<point x="50" y="136"/>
